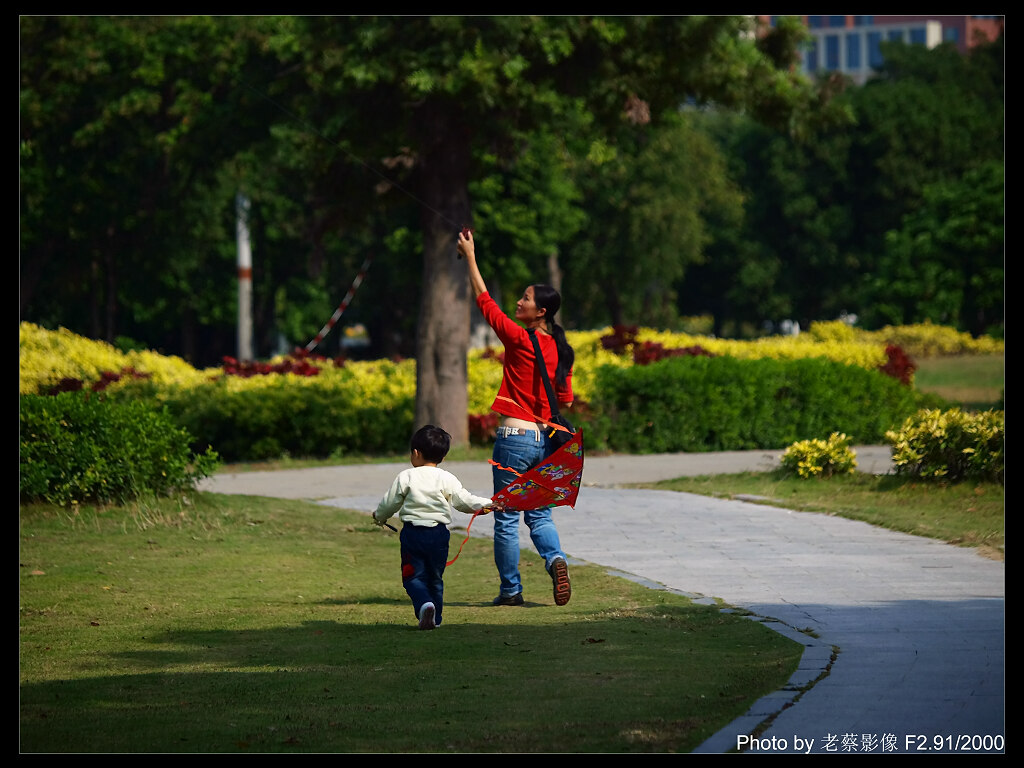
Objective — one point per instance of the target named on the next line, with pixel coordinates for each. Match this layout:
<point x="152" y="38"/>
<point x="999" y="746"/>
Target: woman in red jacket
<point x="522" y="404"/>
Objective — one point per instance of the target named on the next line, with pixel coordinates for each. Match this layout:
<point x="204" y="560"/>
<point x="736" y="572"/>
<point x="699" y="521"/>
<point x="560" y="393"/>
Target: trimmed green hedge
<point x="77" y="447"/>
<point x="315" y="416"/>
<point x="699" y="403"/>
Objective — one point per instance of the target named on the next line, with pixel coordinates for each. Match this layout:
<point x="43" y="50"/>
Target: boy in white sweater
<point x="423" y="497"/>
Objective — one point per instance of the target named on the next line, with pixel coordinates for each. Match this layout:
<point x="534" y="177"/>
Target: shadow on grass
<point x="639" y="682"/>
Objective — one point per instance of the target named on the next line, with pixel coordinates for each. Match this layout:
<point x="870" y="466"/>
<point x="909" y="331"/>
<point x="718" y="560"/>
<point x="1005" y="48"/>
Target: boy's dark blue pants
<point x="424" y="556"/>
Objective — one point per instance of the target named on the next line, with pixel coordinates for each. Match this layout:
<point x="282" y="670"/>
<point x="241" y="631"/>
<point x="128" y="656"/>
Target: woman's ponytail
<point x="566" y="354"/>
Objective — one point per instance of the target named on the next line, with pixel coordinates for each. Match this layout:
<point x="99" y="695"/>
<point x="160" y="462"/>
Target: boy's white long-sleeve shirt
<point x="425" y="496"/>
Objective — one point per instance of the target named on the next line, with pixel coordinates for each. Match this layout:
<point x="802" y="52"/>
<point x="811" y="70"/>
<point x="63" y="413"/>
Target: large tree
<point x="137" y="132"/>
<point x="442" y="90"/>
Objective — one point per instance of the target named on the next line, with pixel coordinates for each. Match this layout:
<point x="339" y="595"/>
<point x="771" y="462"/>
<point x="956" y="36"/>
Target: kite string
<point x="465" y="539"/>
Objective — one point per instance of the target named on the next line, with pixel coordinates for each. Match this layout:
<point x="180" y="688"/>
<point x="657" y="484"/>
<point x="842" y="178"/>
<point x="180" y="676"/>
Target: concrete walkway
<point x="904" y="636"/>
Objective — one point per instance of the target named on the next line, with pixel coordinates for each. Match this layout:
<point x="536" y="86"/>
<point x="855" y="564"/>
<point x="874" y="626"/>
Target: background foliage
<point x="138" y="133"/>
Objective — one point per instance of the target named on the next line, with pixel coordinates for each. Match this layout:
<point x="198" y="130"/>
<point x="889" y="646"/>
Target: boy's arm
<point x="390" y="503"/>
<point x="470" y="503"/>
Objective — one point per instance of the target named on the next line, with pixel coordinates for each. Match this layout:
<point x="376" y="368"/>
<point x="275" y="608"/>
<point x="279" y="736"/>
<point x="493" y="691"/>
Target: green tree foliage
<point x="649" y="196"/>
<point x="790" y="257"/>
<point x="526" y="208"/>
<point x="825" y="208"/>
<point x="929" y="116"/>
<point x="945" y="263"/>
<point x="125" y="125"/>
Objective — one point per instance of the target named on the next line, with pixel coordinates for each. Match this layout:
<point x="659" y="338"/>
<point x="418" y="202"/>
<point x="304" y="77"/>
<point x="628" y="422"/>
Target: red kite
<point x="554" y="482"/>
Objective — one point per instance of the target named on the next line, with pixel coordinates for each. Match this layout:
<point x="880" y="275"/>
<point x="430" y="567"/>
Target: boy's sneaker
<point x="427" y="616"/>
<point x="560" y="578"/>
<point x="516" y="599"/>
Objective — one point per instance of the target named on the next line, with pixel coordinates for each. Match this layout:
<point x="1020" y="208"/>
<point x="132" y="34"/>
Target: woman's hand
<point x="466" y="246"/>
<point x="468" y="249"/>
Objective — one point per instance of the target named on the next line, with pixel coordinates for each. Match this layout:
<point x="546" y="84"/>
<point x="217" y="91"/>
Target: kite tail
<point x="507" y="469"/>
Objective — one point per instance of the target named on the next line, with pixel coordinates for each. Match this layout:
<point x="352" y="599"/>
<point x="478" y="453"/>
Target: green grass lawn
<point x="234" y="624"/>
<point x="974" y="382"/>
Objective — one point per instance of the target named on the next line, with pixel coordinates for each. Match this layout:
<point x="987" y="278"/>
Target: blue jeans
<point x="424" y="557"/>
<point x="520" y="452"/>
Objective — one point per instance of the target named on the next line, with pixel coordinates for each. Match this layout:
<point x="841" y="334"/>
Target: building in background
<point x="851" y="44"/>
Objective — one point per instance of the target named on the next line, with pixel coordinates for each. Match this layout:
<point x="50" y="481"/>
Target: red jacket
<point x="522" y="394"/>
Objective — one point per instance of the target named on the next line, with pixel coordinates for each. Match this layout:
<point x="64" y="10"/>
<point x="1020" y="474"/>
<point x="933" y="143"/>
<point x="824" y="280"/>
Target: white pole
<point x="244" y="280"/>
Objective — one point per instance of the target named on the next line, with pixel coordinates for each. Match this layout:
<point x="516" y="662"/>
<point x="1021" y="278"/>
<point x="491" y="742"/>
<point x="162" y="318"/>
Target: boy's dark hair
<point x="432" y="443"/>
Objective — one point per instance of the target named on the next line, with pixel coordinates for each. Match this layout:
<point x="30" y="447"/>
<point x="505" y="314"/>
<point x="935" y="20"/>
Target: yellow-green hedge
<point x="280" y="409"/>
<point x="47" y="357"/>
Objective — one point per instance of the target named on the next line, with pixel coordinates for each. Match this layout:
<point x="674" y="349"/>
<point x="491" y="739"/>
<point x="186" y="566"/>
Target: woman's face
<point x="527" y="310"/>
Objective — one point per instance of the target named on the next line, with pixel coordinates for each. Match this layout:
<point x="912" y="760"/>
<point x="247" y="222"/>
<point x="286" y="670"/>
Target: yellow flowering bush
<point x="928" y="340"/>
<point x="950" y="445"/>
<point x="864" y="353"/>
<point x="484" y="374"/>
<point x="361" y="407"/>
<point x="820" y="458"/>
<point x="590" y="356"/>
<point x="46" y="358"/>
<point x="833" y="330"/>
<point x="380" y="382"/>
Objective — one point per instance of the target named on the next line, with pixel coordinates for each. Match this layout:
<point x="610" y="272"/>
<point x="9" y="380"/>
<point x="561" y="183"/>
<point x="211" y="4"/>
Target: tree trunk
<point x="443" y="334"/>
<point x="555" y="273"/>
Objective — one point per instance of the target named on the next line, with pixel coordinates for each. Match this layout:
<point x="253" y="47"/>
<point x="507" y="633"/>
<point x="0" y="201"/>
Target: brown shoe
<point x="560" y="578"/>
<point x="516" y="599"/>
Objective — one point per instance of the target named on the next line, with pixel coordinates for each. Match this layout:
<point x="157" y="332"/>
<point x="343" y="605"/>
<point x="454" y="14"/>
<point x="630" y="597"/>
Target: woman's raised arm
<point x="468" y="249"/>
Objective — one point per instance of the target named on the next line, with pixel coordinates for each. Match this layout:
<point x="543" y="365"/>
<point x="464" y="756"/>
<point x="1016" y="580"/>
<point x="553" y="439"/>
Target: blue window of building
<point x="811" y="57"/>
<point x="836" y="21"/>
<point x="896" y="35"/>
<point x="918" y="36"/>
<point x="950" y="35"/>
<point x="874" y="54"/>
<point x="831" y="52"/>
<point x="853" y="50"/>
<point x="815" y="22"/>
<point x="863" y="21"/>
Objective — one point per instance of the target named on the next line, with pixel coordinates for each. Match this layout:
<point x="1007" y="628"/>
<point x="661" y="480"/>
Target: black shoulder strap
<point x="552" y="400"/>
